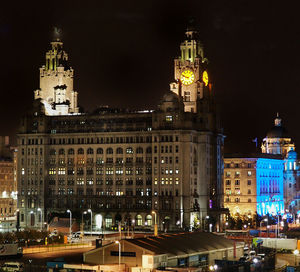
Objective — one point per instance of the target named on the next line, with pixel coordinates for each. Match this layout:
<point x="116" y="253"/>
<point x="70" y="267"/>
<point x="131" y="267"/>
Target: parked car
<point x="12" y="267"/>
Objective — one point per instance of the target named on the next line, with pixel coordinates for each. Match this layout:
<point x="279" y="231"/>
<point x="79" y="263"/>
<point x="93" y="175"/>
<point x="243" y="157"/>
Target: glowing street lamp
<point x="40" y="210"/>
<point x="296" y="252"/>
<point x="266" y="220"/>
<point x="90" y="211"/>
<point x="155" y="224"/>
<point x="85" y="212"/>
<point x="118" y="242"/>
<point x="69" y="211"/>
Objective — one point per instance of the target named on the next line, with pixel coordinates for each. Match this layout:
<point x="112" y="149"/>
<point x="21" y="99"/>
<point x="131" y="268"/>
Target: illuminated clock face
<point x="187" y="77"/>
<point x="205" y="78"/>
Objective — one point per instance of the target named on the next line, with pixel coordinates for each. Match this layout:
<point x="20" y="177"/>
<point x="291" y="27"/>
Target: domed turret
<point x="277" y="140"/>
<point x="277" y="131"/>
<point x="292" y="155"/>
<point x="170" y="102"/>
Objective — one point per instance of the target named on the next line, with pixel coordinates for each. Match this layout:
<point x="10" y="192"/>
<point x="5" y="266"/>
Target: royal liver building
<point x="123" y="165"/>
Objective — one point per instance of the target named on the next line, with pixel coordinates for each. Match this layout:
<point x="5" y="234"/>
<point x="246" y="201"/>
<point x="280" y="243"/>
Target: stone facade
<point x="254" y="185"/>
<point x="8" y="184"/>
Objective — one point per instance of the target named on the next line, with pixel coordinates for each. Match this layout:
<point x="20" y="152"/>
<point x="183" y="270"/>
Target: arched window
<point x="71" y="151"/>
<point x="139" y="150"/>
<point x="80" y="151"/>
<point x="149" y="150"/>
<point x="139" y="220"/>
<point x="119" y="150"/>
<point x="108" y="221"/>
<point x="99" y="151"/>
<point x="129" y="150"/>
<point x="52" y="152"/>
<point x="148" y="220"/>
<point x="90" y="151"/>
<point x="61" y="152"/>
<point x="109" y="150"/>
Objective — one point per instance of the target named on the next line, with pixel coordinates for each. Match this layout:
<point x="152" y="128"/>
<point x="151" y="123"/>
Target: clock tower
<point x="190" y="72"/>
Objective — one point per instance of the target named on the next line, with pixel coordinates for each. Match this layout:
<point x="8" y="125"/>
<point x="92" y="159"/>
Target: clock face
<point x="205" y="78"/>
<point x="187" y="77"/>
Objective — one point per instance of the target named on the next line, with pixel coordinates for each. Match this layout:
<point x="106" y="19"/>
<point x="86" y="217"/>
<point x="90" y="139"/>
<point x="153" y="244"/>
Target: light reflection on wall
<point x="269" y="186"/>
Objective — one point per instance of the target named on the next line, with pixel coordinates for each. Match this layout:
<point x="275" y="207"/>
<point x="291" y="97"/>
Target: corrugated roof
<point x="183" y="243"/>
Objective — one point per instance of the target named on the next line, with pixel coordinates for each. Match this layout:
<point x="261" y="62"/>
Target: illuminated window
<point x="23" y="171"/>
<point x="155" y="181"/>
<point x="52" y="171"/>
<point x="109" y="171"/>
<point x="227" y="174"/>
<point x="228" y="192"/>
<point x="129" y="150"/>
<point x="62" y="171"/>
<point x="176" y="181"/>
<point x="169" y="118"/>
<point x="119" y="171"/>
<point x="249" y="173"/>
<point x="80" y="181"/>
<point x="89" y="181"/>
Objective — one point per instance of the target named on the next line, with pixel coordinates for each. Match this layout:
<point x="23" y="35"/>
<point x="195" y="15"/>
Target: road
<point x="70" y="256"/>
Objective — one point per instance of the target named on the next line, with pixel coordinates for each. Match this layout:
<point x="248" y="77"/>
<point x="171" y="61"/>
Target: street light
<point x="296" y="252"/>
<point x="40" y="210"/>
<point x="155" y="224"/>
<point x="118" y="242"/>
<point x="90" y="211"/>
<point x="68" y="211"/>
<point x="85" y="212"/>
<point x="266" y="219"/>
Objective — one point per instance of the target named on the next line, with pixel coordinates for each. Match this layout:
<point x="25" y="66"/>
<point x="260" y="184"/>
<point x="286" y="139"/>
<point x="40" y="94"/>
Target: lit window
<point x="169" y="118"/>
<point x="249" y="173"/>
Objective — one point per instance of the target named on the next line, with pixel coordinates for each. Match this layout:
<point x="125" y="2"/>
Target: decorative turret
<point x="277" y="140"/>
<point x="56" y="82"/>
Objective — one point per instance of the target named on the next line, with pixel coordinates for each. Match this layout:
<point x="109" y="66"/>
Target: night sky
<point x="122" y="53"/>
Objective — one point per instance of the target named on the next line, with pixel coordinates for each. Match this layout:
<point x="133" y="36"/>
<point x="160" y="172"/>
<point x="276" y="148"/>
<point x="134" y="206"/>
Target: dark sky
<point x="122" y="53"/>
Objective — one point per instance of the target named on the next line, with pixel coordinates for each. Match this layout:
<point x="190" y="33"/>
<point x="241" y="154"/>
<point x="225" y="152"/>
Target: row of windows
<point x="90" y="151"/>
<point x="99" y="181"/>
<point x="237" y="174"/>
<point x="237" y="191"/>
<point x="238" y="165"/>
<point x="236" y="182"/>
<point x="237" y="200"/>
<point x="106" y="140"/>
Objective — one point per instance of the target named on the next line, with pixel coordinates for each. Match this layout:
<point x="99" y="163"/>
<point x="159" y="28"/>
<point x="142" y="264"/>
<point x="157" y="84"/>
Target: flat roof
<point x="186" y="243"/>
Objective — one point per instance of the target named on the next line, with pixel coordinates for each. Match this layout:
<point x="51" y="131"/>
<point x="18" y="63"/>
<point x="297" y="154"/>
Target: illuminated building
<point x="8" y="185"/>
<point x="122" y="164"/>
<point x="253" y="184"/>
<point x="277" y="141"/>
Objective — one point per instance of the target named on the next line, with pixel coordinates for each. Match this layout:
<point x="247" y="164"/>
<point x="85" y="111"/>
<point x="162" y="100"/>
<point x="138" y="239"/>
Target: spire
<point x="277" y="121"/>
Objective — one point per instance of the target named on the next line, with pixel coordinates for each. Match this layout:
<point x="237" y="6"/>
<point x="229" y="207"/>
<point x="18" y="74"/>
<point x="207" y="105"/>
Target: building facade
<point x="122" y="164"/>
<point x="278" y="141"/>
<point x="8" y="185"/>
<point x="253" y="185"/>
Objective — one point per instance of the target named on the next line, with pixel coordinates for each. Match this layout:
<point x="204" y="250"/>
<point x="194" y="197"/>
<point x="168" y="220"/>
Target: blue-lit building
<point x="269" y="186"/>
<point x="279" y="142"/>
<point x="253" y="184"/>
